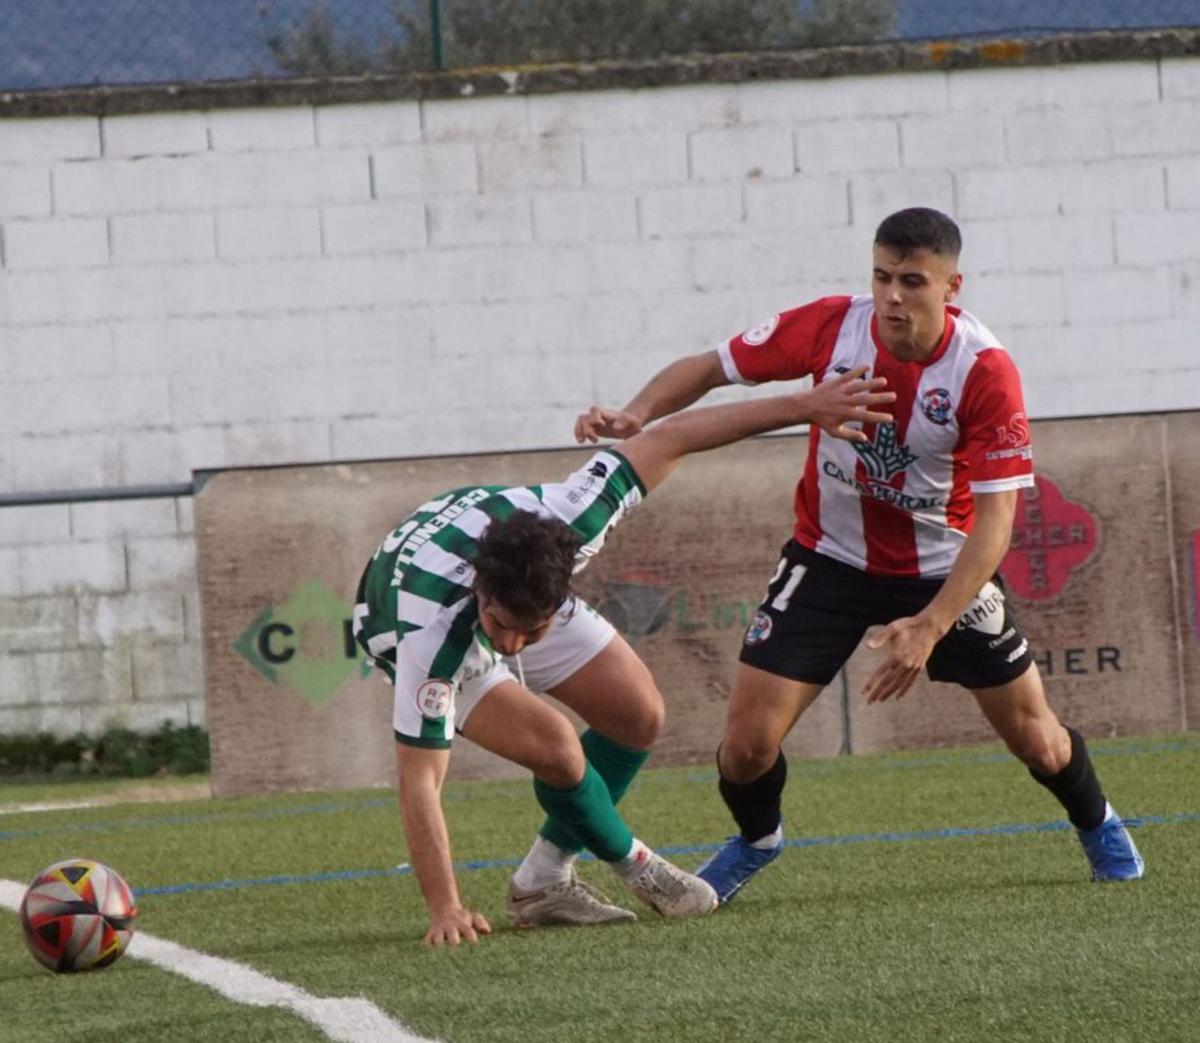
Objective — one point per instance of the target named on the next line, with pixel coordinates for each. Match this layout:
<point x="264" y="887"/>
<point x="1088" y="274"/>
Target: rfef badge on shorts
<point x="435" y="699"/>
<point x="759" y="629"/>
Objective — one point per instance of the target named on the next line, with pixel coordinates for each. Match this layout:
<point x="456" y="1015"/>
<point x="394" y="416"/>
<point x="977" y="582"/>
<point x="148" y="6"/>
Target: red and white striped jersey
<point x="900" y="504"/>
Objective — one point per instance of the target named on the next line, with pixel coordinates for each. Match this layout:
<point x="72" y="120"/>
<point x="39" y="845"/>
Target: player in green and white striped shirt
<point x="482" y="574"/>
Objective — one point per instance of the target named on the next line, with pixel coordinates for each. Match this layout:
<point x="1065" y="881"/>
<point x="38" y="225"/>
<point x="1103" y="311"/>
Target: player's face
<point x="508" y="632"/>
<point x="911" y="292"/>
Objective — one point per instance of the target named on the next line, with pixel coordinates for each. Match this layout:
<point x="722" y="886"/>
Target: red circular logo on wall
<point x="1052" y="537"/>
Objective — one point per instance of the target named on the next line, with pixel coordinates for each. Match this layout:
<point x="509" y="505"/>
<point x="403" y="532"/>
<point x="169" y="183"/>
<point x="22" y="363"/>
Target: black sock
<point x="756" y="806"/>
<point x="1076" y="786"/>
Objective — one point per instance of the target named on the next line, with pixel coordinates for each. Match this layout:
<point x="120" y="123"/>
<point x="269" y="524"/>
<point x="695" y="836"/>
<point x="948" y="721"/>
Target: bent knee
<point x="1040" y="749"/>
<point x="637" y="721"/>
<point x="745" y="758"/>
<point x="557" y="758"/>
<point x="646" y="720"/>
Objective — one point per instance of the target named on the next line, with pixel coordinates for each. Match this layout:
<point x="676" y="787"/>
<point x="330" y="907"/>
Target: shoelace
<point x="664" y="880"/>
<point x="1113" y="843"/>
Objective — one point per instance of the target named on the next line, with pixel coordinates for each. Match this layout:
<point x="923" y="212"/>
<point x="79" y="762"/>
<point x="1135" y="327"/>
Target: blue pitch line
<point x="838" y="840"/>
<point x="371" y="803"/>
<point x="830" y="765"/>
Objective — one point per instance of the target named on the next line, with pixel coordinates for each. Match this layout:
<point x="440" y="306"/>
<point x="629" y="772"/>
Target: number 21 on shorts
<point x="780" y="602"/>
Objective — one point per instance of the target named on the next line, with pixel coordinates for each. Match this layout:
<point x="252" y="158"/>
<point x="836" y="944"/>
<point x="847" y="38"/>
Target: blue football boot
<point x="734" y="863"/>
<point x="1111" y="850"/>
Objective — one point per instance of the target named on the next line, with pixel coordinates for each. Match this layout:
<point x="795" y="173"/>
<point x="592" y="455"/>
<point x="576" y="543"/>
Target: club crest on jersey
<point x="884" y="456"/>
<point x="759" y="629"/>
<point x="761" y="333"/>
<point x="938" y="406"/>
<point x="435" y="697"/>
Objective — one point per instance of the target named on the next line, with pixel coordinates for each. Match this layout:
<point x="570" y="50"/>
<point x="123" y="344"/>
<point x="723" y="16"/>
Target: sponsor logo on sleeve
<point x="761" y="333"/>
<point x="599" y="469"/>
<point x="1015" y="432"/>
<point x="435" y="698"/>
<point x="1024" y="452"/>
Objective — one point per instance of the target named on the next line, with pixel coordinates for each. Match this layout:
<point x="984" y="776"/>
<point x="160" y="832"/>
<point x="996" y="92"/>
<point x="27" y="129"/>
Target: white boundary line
<point x="347" y="1020"/>
<point x="62" y="805"/>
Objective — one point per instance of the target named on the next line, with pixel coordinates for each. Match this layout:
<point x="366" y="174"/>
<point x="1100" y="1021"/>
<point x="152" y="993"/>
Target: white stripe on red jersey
<point x="902" y="504"/>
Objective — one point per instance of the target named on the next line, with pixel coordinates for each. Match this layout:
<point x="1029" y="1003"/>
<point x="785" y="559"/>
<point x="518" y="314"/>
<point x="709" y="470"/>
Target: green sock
<point x="617" y="765"/>
<point x="588" y="812"/>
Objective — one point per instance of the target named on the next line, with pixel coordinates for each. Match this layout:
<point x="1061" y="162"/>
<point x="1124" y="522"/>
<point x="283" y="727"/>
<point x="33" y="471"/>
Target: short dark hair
<point x="525" y="562"/>
<point x="920" y="228"/>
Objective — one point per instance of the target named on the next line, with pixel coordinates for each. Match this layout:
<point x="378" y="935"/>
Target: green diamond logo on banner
<point x="306" y="644"/>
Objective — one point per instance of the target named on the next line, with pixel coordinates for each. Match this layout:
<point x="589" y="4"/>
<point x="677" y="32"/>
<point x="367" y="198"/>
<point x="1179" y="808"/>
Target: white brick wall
<point x="48" y="524"/>
<point x="375" y="228"/>
<point x="431" y="169"/>
<point x="56" y="244"/>
<point x="253" y="130"/>
<point x="269" y="232"/>
<point x="147" y="238"/>
<point x="10" y="573"/>
<point x="622" y="160"/>
<point x="24" y="192"/>
<point x="40" y="140"/>
<point x="733" y="153"/>
<point x="375" y="124"/>
<point x="32" y="352"/>
<point x="586" y="216"/>
<point x="696" y="210"/>
<point x="50" y="568"/>
<point x="799" y="202"/>
<point x="850" y="145"/>
<point x="208" y="289"/>
<point x="100" y="602"/>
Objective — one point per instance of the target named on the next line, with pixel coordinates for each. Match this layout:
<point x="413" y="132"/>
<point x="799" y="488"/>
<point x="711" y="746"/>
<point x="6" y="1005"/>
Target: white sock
<point x="770" y="840"/>
<point x="632" y="863"/>
<point x="544" y="866"/>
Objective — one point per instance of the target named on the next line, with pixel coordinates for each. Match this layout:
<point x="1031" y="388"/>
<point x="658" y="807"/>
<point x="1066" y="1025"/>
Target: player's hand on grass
<point x="455" y="925"/>
<point x="599" y="422"/>
<point x="908" y="643"/>
<point x="849" y="398"/>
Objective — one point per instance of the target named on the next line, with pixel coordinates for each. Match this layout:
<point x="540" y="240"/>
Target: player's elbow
<point x="710" y="374"/>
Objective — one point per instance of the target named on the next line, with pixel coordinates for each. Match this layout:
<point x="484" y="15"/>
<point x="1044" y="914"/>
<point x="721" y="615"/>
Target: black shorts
<point x="817" y="610"/>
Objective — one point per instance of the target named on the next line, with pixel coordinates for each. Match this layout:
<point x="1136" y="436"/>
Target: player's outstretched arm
<point x="421" y="773"/>
<point x="671" y="389"/>
<point x="838" y="401"/>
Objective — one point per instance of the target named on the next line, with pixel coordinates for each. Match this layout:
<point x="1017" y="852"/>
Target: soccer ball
<point x="77" y="915"/>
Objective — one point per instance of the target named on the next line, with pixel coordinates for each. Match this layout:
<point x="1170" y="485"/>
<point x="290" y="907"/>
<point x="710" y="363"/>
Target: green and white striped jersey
<point x="415" y="613"/>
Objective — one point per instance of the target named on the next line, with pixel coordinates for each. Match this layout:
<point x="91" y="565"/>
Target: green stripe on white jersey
<point x="419" y="607"/>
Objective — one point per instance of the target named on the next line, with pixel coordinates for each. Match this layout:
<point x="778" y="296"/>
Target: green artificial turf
<point x="878" y="923"/>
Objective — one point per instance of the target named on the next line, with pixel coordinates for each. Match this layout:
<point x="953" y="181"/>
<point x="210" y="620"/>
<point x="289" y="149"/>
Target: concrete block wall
<point x="193" y="290"/>
<point x="98" y="617"/>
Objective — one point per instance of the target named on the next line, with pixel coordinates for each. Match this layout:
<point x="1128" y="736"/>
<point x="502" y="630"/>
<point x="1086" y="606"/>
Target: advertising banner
<point x="1102" y="572"/>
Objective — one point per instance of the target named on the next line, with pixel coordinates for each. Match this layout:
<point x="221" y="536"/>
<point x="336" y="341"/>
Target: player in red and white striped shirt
<point x="899" y="525"/>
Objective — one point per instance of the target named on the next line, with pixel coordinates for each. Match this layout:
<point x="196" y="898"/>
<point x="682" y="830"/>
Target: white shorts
<point x="578" y="634"/>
